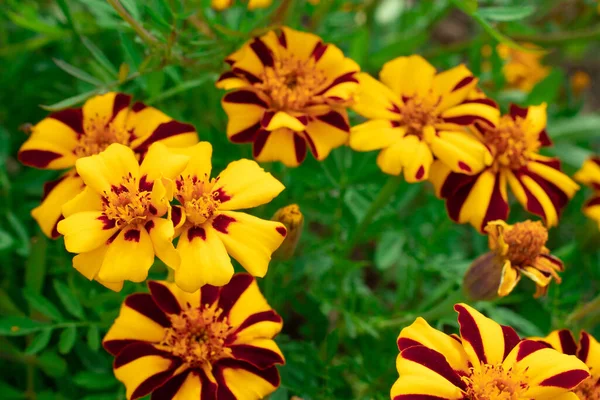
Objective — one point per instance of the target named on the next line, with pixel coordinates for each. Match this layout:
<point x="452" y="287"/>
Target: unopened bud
<point x="482" y="279"/>
<point x="292" y="218"/>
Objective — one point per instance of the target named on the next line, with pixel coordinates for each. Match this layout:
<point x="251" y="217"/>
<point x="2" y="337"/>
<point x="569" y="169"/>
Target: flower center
<point x="291" y="83"/>
<point x="510" y="142"/>
<point x="197" y="336"/>
<point x="130" y="202"/>
<point x="588" y="389"/>
<point x="525" y="241"/>
<point x="196" y="197"/>
<point x="492" y="382"/>
<point x="98" y="136"/>
<point x="419" y="112"/>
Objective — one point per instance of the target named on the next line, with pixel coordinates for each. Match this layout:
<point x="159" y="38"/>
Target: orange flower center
<point x="98" y="136"/>
<point x="196" y="197"/>
<point x="292" y="84"/>
<point x="493" y="382"/>
<point x="526" y="241"/>
<point x="588" y="389"/>
<point x="197" y="336"/>
<point x="130" y="202"/>
<point x="419" y="112"/>
<point x="510" y="143"/>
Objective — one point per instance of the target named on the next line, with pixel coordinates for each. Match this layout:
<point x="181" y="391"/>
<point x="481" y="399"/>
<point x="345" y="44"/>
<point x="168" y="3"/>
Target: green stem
<point x="559" y="37"/>
<point x="386" y="192"/>
<point x="589" y="311"/>
<point x="137" y="27"/>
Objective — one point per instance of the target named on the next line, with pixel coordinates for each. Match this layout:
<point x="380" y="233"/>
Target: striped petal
<point x="591" y="209"/>
<point x="129" y="256"/>
<point x="244" y="184"/>
<point x="589" y="174"/>
<point x="248" y="239"/>
<point x="102" y="171"/>
<point x="509" y="279"/>
<point x="240" y="380"/>
<point x="562" y="340"/>
<point x="535" y="121"/>
<point x="301" y="44"/>
<point x="375" y="134"/>
<point x="283" y="145"/>
<point x="86" y="231"/>
<point x="408" y="76"/>
<point x="471" y="111"/>
<point x="374" y="100"/>
<point x="589" y="353"/>
<point x="190" y="384"/>
<point x="409" y="153"/>
<point x="453" y="86"/>
<point x="461" y="151"/>
<point x="100" y="111"/>
<point x="327" y="132"/>
<point x="245" y="110"/>
<point x="255" y="324"/>
<point x="261" y="353"/>
<point x="241" y="299"/>
<point x="170" y="298"/>
<point x="342" y="82"/>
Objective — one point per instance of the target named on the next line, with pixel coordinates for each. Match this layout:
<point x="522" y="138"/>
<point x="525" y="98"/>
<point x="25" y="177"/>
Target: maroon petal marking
<point x="511" y="339"/>
<point x="176" y="215"/>
<point x="114" y="347"/>
<point x="465" y="120"/>
<point x="250" y="77"/>
<point x="594" y="201"/>
<point x="335" y="119"/>
<point x="257" y="356"/>
<point x="270" y="375"/>
<point x="50" y="185"/>
<point x="145" y="305"/>
<point x="454" y="181"/>
<point x="544" y="139"/>
<point x="567" y="342"/>
<point x="121" y="101"/>
<point x="347" y="77"/>
<point x="263" y="316"/>
<point x="528" y="347"/>
<point x="281" y="230"/>
<point x="145" y="184"/>
<point x="132" y="235"/>
<point x="464" y="166"/>
<point x="420" y="173"/>
<point x="455" y="202"/>
<point x="319" y="50"/>
<point x="72" y="117"/>
<point x="558" y="264"/>
<point x="418" y="397"/>
<point x="209" y="294"/>
<point x="164" y="131"/>
<point x="558" y="198"/>
<point x="405" y="343"/>
<point x="299" y="148"/>
<point x="107" y="223"/>
<point x="227" y="75"/>
<point x="464" y="82"/>
<point x="260" y="140"/>
<point x="231" y="292"/>
<point x="497" y="207"/>
<point x="55" y="233"/>
<point x="567" y="379"/>
<point x="552" y="163"/>
<point x="434" y="361"/>
<point x="138" y="106"/>
<point x="263" y="52"/>
<point x="221" y="195"/>
<point x="248" y="135"/>
<point x="311" y="144"/>
<point x="150" y="384"/>
<point x="595" y="160"/>
<point x="518" y="111"/>
<point x="282" y="39"/>
<point x="221" y="222"/>
<point x="196" y="232"/>
<point x="266" y="118"/>
<point x="38" y="158"/>
<point x="164" y="298"/>
<point x="469" y="332"/>
<point x="169" y="389"/>
<point x="487" y="102"/>
<point x="138" y="350"/>
<point x="148" y="226"/>
<point x="584" y="346"/>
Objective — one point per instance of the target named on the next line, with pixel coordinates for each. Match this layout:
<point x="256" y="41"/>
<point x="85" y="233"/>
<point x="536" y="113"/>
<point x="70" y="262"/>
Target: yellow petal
<point x="244" y="384"/>
<point x="589" y="174"/>
<point x="509" y="280"/>
<point x="86" y="231"/>
<point x="301" y="44"/>
<point x="129" y="256"/>
<point x="134" y="373"/>
<point x="536" y="119"/>
<point x="101" y="171"/>
<point x="374" y="135"/>
<point x="282" y="145"/>
<point x="327" y="132"/>
<point x="160" y="162"/>
<point x="453" y="86"/>
<point x="200" y="159"/>
<point x="98" y="111"/>
<point x="409" y="153"/>
<point x="281" y="119"/>
<point x="460" y="151"/>
<point x="86" y="200"/>
<point x="408" y="76"/>
<point x="88" y="264"/>
<point x="244" y="109"/>
<point x="161" y="233"/>
<point x="374" y="100"/>
<point x="424" y="387"/>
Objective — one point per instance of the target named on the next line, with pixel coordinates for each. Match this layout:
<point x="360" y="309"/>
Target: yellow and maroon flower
<point x="587" y="350"/>
<point x="487" y="361"/>
<point x="60" y="139"/>
<point x="522" y="69"/>
<point x="536" y="181"/>
<point x="210" y="230"/>
<point x="221" y="5"/>
<point x="290" y="92"/>
<point x="589" y="175"/>
<point x="416" y="115"/>
<point x="216" y="343"/>
<point x="115" y="224"/>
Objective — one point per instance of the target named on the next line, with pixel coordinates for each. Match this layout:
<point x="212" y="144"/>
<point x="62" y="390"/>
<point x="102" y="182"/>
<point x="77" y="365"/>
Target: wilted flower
<point x="536" y="181"/>
<point x="209" y="231"/>
<point x="252" y="4"/>
<point x="589" y="175"/>
<point x="115" y="224"/>
<point x="290" y="92"/>
<point x="216" y="343"/>
<point x="60" y="139"/>
<point x="416" y="115"/>
<point x="292" y="218"/>
<point x="522" y="69"/>
<point x="587" y="350"/>
<point x="515" y="249"/>
<point x="488" y="361"/>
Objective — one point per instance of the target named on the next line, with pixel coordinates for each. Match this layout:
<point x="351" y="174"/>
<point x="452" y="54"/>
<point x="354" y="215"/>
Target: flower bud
<point x="482" y="279"/>
<point x="293" y="220"/>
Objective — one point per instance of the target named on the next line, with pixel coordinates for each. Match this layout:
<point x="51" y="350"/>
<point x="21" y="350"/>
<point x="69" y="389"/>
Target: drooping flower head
<point x="589" y="175"/>
<point x="536" y="181"/>
<point x="516" y="250"/>
<point x="417" y="115"/>
<point x="487" y="361"/>
<point x="522" y="69"/>
<point x="587" y="350"/>
<point x="208" y="227"/>
<point x="118" y="223"/>
<point x="290" y="92"/>
<point x="216" y="343"/>
<point x="59" y="140"/>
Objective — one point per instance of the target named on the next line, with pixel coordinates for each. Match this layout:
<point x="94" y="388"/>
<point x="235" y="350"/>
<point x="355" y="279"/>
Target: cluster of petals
<point x="589" y="175"/>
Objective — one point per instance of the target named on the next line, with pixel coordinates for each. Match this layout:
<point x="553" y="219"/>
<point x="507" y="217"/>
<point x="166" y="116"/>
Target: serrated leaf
<point x="18" y="326"/>
<point x="76" y="72"/>
<point x="41" y="304"/>
<point x="68" y="299"/>
<point x="93" y="338"/>
<point x="39" y="342"/>
<point x="67" y="338"/>
<point x="71" y="101"/>
<point x="506" y="13"/>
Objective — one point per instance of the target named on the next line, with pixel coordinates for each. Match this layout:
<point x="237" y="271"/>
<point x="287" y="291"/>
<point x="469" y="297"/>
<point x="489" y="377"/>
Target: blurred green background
<point x="342" y="309"/>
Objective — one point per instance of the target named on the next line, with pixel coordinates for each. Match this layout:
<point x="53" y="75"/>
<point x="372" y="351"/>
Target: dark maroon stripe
<point x="567" y="342"/>
<point x="528" y="347"/>
<point x="170" y="388"/>
<point x="544" y="139"/>
<point x="196" y="232"/>
<point x="282" y="39"/>
<point x="38" y="158"/>
<point x="266" y="118"/>
<point x="221" y="195"/>
<point x="247" y="135"/>
<point x="221" y="222"/>
<point x="518" y="111"/>
<point x="227" y="75"/>
<point x="250" y="77"/>
<point x="55" y="233"/>
<point x="137" y="350"/>
<point x="420" y="173"/>
<point x="244" y="97"/>
<point x="553" y="163"/>
<point x="260" y="140"/>
<point x="145" y="305"/>
<point x="497" y="207"/>
<point x="455" y="181"/>
<point x="121" y="101"/>
<point x="263" y="52"/>
<point x="281" y="230"/>
<point x="486" y="102"/>
<point x="595" y="160"/>
<point x="209" y="294"/>
<point x="464" y="82"/>
<point x="138" y="106"/>
<point x="263" y="316"/>
<point x="418" y="397"/>
<point x="152" y="383"/>
<point x="348" y="77"/>
<point x="72" y="117"/>
<point x="176" y="215"/>
<point x="259" y="357"/>
<point x="567" y="379"/>
<point x="455" y="202"/>
<point x="299" y="148"/>
<point x="335" y="119"/>
<point x="584" y="346"/>
<point x="132" y="235"/>
<point x="466" y="120"/>
<point x="558" y="198"/>
<point x="434" y="361"/>
<point x="231" y="292"/>
<point x="164" y="298"/>
<point x="594" y="201"/>
<point x="114" y="347"/>
<point x="164" y="131"/>
<point x="405" y="343"/>
<point x="50" y="185"/>
<point x="554" y="260"/>
<point x="469" y="331"/>
<point x="311" y="144"/>
<point x="319" y="50"/>
<point x="269" y="374"/>
<point x="511" y="339"/>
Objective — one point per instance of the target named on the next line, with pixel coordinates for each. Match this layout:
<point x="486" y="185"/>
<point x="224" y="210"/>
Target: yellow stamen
<point x="128" y="204"/>
<point x="98" y="136"/>
<point x="510" y="143"/>
<point x="493" y="382"/>
<point x="526" y="241"/>
<point x="196" y="197"/>
<point x="419" y="112"/>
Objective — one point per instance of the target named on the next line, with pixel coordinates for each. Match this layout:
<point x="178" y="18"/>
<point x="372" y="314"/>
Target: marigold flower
<point x="589" y="175"/>
<point x="587" y="350"/>
<point x="221" y="5"/>
<point x="522" y="70"/>
<point x="292" y="218"/>
<point x="487" y="361"/>
<point x="60" y="139"/>
<point x="215" y="343"/>
<point x="115" y="223"/>
<point x="536" y="181"/>
<point x="209" y="230"/>
<point x="416" y="115"/>
<point x="290" y="92"/>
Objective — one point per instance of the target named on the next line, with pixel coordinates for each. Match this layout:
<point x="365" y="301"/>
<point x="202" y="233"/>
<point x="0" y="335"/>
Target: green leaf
<point x="91" y="380"/>
<point x="76" y="72"/>
<point x="52" y="364"/>
<point x="68" y="299"/>
<point x="389" y="249"/>
<point x="21" y="231"/>
<point x="41" y="304"/>
<point x="10" y="392"/>
<point x="6" y="240"/>
<point x="93" y="338"/>
<point x="586" y="127"/>
<point x="506" y="13"/>
<point x="548" y="89"/>
<point x="18" y="326"/>
<point x="35" y="266"/>
<point x="508" y="317"/>
<point x="8" y="306"/>
<point x="67" y="338"/>
<point x="71" y="101"/>
<point x="67" y="12"/>
<point x="39" y="342"/>
<point x="35" y="25"/>
<point x="468" y="6"/>
<point x="99" y="56"/>
<point x="180" y="88"/>
<point x="571" y="153"/>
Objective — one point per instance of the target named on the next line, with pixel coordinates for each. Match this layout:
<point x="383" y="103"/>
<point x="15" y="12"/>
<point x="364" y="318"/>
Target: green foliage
<point x="343" y="305"/>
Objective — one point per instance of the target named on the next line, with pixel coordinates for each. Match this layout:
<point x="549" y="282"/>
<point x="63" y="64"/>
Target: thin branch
<point x="137" y="27"/>
<point x="558" y="37"/>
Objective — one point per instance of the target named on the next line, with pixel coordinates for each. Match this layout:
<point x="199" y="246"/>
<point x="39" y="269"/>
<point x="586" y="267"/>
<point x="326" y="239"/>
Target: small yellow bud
<point x="292" y="218"/>
<point x="221" y="5"/>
